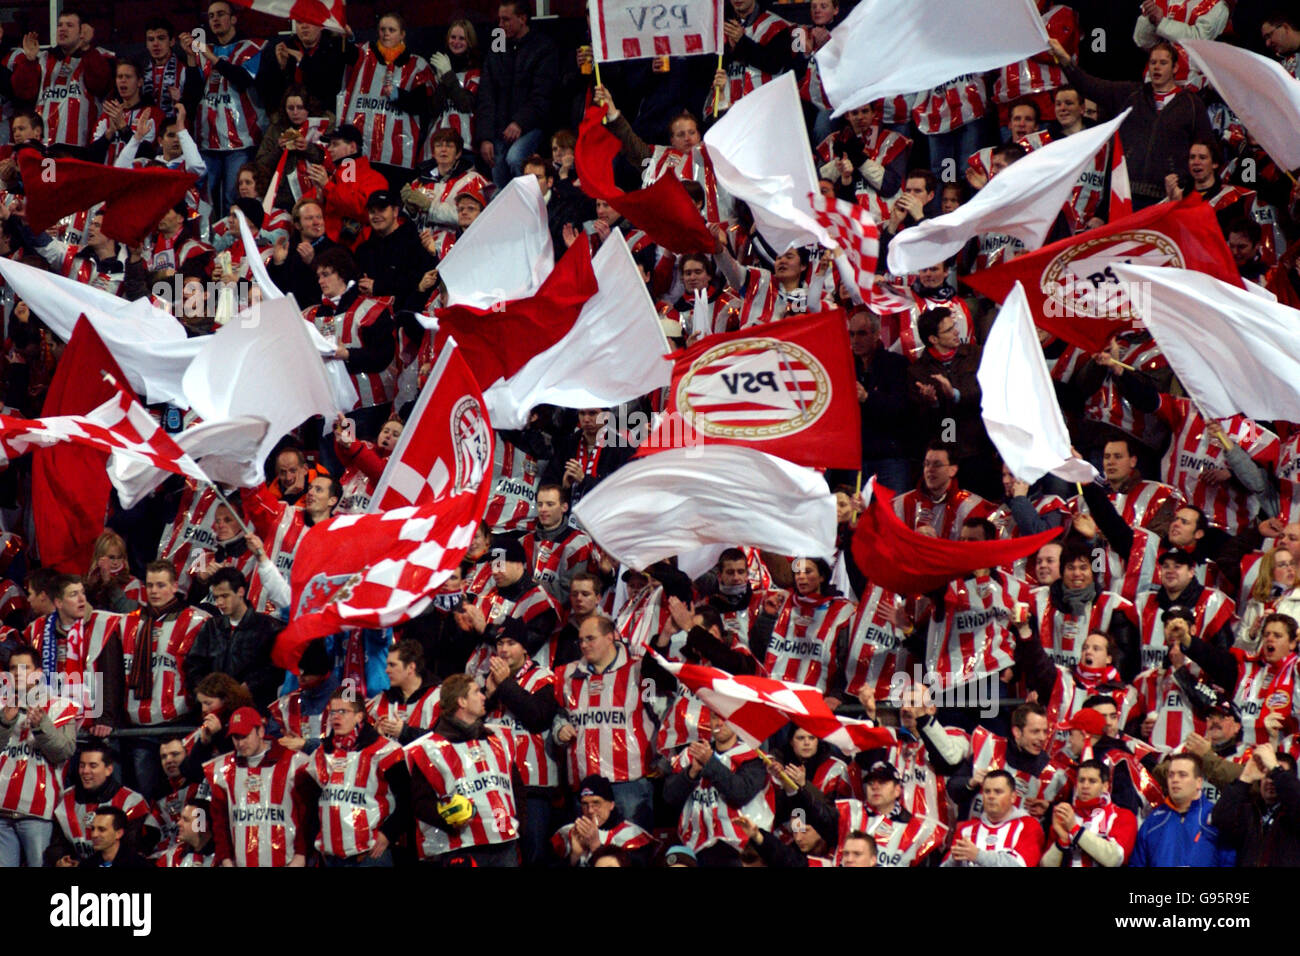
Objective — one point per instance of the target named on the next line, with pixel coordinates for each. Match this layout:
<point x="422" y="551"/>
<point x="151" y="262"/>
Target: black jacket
<point x="612" y="457"/>
<point x="298" y="277"/>
<point x="884" y="412"/>
<point x="396" y="262"/>
<point x="243" y="652"/>
<point x="963" y="408"/>
<point x="736" y="787"/>
<point x="1261" y="835"/>
<point x="446" y="647"/>
<point x="322" y="72"/>
<point x="125" y="860"/>
<point x="517" y="86"/>
<point x="540" y="627"/>
<point x="1155" y="140"/>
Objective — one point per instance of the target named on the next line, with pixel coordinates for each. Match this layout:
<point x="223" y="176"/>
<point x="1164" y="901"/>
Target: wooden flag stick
<point x="857" y="490"/>
<point x="715" y="89"/>
<point x="768" y="761"/>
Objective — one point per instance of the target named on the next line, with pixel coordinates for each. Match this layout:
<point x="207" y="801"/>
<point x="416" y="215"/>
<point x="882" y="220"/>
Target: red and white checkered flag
<point x="757" y="707"/>
<point x="856" y="233"/>
<point x="120" y="426"/>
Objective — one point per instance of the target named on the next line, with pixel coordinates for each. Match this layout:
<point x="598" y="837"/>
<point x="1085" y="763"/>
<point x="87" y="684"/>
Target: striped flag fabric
<point x="785" y="388"/>
<point x="757" y="707"/>
<point x="856" y="233"/>
<point x="120" y="426"/>
<point x="632" y="31"/>
<point x="330" y="14"/>
<point x="1121" y="194"/>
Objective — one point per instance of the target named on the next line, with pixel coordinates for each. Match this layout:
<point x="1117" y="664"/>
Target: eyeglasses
<point x="341" y="711"/>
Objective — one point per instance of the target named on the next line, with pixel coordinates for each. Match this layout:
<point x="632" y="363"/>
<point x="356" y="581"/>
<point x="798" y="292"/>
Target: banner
<point x="1071" y="286"/>
<point x="633" y="29"/>
<point x="786" y="388"/>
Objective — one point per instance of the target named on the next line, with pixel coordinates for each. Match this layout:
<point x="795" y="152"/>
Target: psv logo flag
<point x="1072" y="287"/>
<point x="632" y="29"/>
<point x="786" y="388"/>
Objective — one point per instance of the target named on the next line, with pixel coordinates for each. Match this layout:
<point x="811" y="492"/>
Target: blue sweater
<point x="1170" y="838"/>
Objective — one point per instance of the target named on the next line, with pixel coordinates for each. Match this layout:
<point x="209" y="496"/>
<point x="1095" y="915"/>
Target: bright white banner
<point x="632" y="29"/>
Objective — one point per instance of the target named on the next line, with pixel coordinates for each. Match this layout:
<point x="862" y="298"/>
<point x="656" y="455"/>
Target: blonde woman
<point x="109" y="583"/>
<point x="1274" y="592"/>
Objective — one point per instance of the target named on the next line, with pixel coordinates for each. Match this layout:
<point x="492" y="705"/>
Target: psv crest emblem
<point x="1079" y="281"/>
<point x="754" y="388"/>
<point x="470" y="444"/>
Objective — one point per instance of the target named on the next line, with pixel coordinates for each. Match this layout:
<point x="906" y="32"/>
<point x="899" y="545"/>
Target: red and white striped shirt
<point x="1207" y="17"/>
<point x="1139" y="505"/>
<point x="625" y="834"/>
<point x="262" y="811"/>
<point x="496" y="607"/>
<point x="515" y="478"/>
<point x="899" y="843"/>
<point x="946" y="515"/>
<point x="478" y="770"/>
<point x="1038" y="75"/>
<point x="1160" y="696"/>
<point x="227" y="118"/>
<point x="741" y="77"/>
<point x="451" y="118"/>
<point x="421" y="713"/>
<point x="536" y="766"/>
<point x="1264" y="688"/>
<point x="1108" y="821"/>
<point x="64" y="102"/>
<point x="78" y="658"/>
<point x="707" y="818"/>
<point x="191" y="528"/>
<point x="989" y="752"/>
<point x="973" y="640"/>
<point x="373" y="388"/>
<point x="1063" y="633"/>
<point x="1213" y="609"/>
<point x="180" y="855"/>
<point x="876" y="649"/>
<point x="29" y="785"/>
<point x="389" y="134"/>
<point x="607" y="709"/>
<point x="1192" y="452"/>
<point x="355" y="798"/>
<point x="287" y="712"/>
<point x="691" y="165"/>
<point x="1015" y="841"/>
<point x="950" y="106"/>
<point x="74" y="818"/>
<point x="807" y="638"/>
<point x="168" y="643"/>
<point x="555" y="562"/>
<point x="879" y="144"/>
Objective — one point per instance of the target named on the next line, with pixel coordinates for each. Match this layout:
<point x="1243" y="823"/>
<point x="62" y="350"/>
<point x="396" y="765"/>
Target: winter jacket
<point x="243" y="652"/>
<point x="1262" y="835"/>
<point x="517" y="86"/>
<point x="1169" y="837"/>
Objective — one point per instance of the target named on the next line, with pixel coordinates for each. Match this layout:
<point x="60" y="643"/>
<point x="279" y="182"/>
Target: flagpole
<point x="222" y="498"/>
<point x="857" y="490"/>
<point x="596" y="63"/>
<point x="716" y="91"/>
<point x="781" y="775"/>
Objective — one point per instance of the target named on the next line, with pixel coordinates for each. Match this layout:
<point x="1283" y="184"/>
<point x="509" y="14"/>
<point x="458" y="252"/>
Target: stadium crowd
<point x="1126" y="696"/>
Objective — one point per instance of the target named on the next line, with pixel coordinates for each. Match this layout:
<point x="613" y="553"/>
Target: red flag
<point x="375" y="570"/>
<point x="330" y="14"/>
<point x="896" y="558"/>
<point x="663" y="209"/>
<point x="70" y="486"/>
<point x="378" y="570"/>
<point x="757" y="707"/>
<point x="446" y="445"/>
<point x="786" y="388"/>
<point x="496" y="343"/>
<point x="1121" y="192"/>
<point x="1071" y="289"/>
<point x="134" y="199"/>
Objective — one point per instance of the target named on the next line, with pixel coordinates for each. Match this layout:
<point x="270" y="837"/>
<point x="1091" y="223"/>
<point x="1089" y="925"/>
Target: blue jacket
<point x="1170" y="838"/>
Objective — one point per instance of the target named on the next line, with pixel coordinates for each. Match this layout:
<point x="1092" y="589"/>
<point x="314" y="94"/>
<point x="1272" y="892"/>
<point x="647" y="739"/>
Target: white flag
<point x="761" y="155"/>
<point x="256" y="265"/>
<point x="1018" y="401"/>
<point x="1265" y="97"/>
<point x="148" y="344"/>
<point x="633" y="29"/>
<point x="1233" y="350"/>
<point x="1022" y="201"/>
<point x="264" y="365"/>
<point x="613" y="354"/>
<point x="505" y="254"/>
<point x="226" y="452"/>
<point x="886" y="48"/>
<point x="688" y="498"/>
